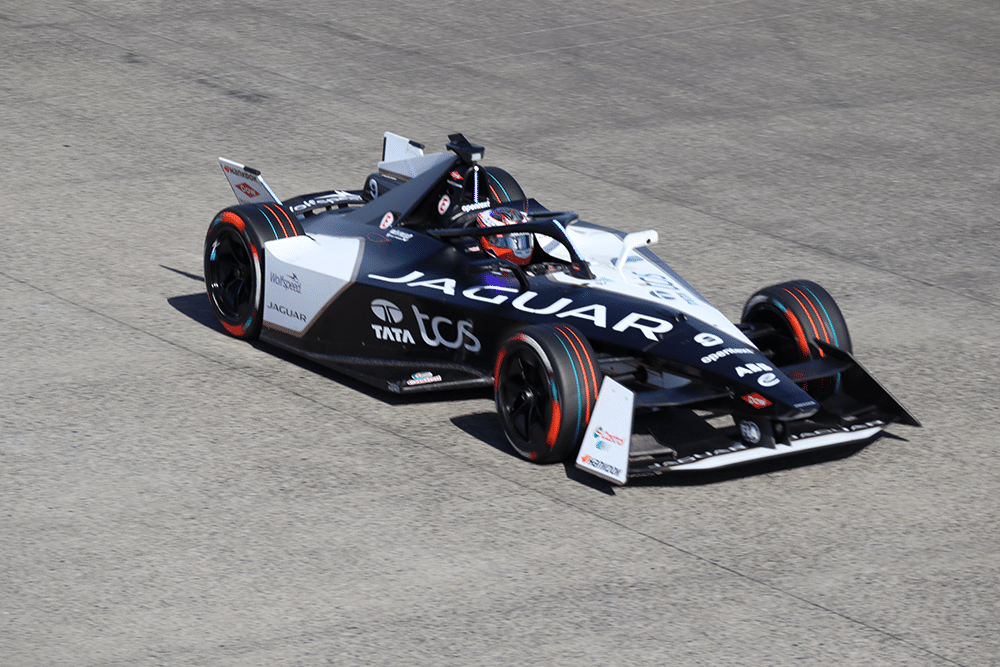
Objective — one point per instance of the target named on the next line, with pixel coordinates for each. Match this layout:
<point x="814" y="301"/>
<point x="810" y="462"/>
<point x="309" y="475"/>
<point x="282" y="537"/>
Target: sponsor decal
<point x="735" y="447"/>
<point x="756" y="400"/>
<point x="330" y="199"/>
<point x="750" y="432"/>
<point x="423" y="378"/>
<point x="878" y="423"/>
<point x="660" y="280"/>
<point x="375" y="237"/>
<point x="601" y="465"/>
<point x="287" y="312"/>
<point x="432" y="334"/>
<point x="604" y="435"/>
<point x="247" y="190"/>
<point x="750" y="369"/>
<point x="387" y="311"/>
<point x="239" y="172"/>
<point x="394" y="334"/>
<point x="455" y="176"/>
<point x="476" y="206"/>
<point x="648" y="325"/>
<point x="387" y="221"/>
<point x="715" y="356"/>
<point x="399" y="235"/>
<point x="288" y="282"/>
<point x="766" y="380"/>
<point x="444" y="204"/>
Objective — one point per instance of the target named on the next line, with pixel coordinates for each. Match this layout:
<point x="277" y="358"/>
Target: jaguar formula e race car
<point x="440" y="274"/>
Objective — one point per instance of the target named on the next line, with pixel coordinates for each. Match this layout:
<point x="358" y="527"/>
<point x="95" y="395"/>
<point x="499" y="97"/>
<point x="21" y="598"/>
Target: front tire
<point x="798" y="312"/>
<point x="546" y="384"/>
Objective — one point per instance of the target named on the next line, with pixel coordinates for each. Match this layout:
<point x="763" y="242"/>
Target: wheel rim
<point x="231" y="276"/>
<point x="525" y="396"/>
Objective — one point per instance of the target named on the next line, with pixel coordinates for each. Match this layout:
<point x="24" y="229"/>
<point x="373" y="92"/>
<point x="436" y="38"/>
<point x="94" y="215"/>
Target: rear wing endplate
<point x="247" y="184"/>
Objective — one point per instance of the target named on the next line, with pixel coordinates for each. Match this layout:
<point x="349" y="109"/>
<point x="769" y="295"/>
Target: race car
<point x="440" y="273"/>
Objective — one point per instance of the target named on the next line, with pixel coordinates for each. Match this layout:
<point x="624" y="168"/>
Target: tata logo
<point x="387" y="311"/>
<point x="394" y="334"/>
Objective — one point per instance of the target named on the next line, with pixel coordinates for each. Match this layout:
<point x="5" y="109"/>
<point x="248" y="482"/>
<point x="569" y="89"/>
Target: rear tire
<point x="234" y="263"/>
<point x="546" y="385"/>
<point x="501" y="187"/>
<point x="799" y="312"/>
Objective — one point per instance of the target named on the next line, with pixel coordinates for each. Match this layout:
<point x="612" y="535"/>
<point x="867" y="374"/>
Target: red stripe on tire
<point x="589" y="380"/>
<point x="233" y="219"/>
<point x="808" y="316"/>
<point x="819" y="316"/>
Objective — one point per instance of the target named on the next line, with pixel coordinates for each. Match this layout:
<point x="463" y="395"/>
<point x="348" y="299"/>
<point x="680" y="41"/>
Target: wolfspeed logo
<point x="290" y="283"/>
<point x="601" y="465"/>
<point x="287" y="312"/>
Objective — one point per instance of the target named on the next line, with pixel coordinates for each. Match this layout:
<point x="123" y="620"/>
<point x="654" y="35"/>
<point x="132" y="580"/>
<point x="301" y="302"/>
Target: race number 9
<point x="708" y="340"/>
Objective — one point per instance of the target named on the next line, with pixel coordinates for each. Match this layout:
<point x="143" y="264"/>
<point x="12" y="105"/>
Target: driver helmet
<point x="516" y="248"/>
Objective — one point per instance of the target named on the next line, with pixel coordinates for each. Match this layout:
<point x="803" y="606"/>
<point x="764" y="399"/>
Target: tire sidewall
<point x="572" y="381"/>
<point x="230" y="223"/>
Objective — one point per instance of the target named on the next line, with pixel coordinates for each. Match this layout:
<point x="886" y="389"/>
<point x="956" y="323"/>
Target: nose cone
<point x="724" y="360"/>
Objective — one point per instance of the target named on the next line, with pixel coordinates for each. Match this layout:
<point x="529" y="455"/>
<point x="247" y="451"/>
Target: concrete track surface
<point x="172" y="496"/>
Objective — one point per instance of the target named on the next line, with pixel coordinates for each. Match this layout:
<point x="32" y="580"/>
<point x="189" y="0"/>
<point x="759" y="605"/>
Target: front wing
<point x="690" y="426"/>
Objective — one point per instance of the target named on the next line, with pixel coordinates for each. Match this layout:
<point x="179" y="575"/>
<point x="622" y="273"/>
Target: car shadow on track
<point x="485" y="426"/>
<point x="197" y="307"/>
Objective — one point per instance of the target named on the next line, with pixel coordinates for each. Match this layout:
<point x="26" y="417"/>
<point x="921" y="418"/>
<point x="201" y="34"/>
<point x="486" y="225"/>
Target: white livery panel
<point x="304" y="274"/>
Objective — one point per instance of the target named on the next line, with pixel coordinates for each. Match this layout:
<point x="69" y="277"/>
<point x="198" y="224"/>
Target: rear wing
<point x="403" y="158"/>
<point x="247" y="184"/>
